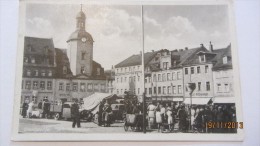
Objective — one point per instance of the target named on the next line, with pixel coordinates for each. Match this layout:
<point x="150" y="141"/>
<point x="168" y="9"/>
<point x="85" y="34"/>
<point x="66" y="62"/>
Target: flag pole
<point x="143" y="66"/>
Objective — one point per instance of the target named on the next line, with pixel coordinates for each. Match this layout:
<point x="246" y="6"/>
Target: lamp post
<point x="191" y="87"/>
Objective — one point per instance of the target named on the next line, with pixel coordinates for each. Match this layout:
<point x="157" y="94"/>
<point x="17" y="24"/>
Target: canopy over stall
<point x="93" y="101"/>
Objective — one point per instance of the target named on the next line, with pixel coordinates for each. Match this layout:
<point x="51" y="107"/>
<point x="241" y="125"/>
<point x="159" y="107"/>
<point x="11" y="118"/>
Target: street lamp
<point x="191" y="87"/>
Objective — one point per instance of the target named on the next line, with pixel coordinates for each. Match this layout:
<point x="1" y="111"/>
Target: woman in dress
<point x="151" y="115"/>
<point x="170" y="118"/>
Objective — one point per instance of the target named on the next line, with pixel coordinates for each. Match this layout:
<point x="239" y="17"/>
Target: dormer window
<point x="202" y="58"/>
<point x="50" y="73"/>
<point x="64" y="69"/>
<point x="225" y="60"/>
<point x="46" y="50"/>
<point x="29" y="48"/>
<point x="28" y="73"/>
<point x="82" y="70"/>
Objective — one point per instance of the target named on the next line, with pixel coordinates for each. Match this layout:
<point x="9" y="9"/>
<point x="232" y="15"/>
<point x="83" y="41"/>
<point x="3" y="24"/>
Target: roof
<point x="38" y="45"/>
<point x="136" y="60"/>
<point x="61" y="61"/>
<point x="110" y="74"/>
<point x="78" y="34"/>
<point x="81" y="15"/>
<point x="186" y="56"/>
<point x="219" y="58"/>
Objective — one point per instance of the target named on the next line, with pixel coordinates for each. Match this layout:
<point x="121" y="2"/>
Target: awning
<point x="202" y="100"/>
<point x="224" y="100"/>
<point x="177" y="99"/>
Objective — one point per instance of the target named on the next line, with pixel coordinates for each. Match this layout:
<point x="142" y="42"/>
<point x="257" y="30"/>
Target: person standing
<point x="25" y="108"/>
<point x="75" y="114"/>
<point x="151" y="115"/>
<point x="183" y="119"/>
<point x="106" y="115"/>
<point x="30" y="109"/>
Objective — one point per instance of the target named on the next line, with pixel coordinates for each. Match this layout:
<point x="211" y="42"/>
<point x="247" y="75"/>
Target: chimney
<point x="201" y="45"/>
<point x="186" y="48"/>
<point x="210" y="47"/>
<point x="152" y="50"/>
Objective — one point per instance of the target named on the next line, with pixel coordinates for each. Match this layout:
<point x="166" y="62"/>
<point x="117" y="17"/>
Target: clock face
<point x="83" y="39"/>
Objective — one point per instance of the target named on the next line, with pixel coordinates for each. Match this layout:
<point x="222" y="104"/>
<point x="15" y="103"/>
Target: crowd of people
<point x="28" y="108"/>
<point x="179" y="117"/>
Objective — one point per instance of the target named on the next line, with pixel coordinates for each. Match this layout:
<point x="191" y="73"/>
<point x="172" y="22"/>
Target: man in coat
<point x="75" y="114"/>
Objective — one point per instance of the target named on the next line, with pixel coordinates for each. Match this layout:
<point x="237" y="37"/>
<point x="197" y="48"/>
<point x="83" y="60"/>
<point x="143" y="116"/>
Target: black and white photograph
<point x="127" y="71"/>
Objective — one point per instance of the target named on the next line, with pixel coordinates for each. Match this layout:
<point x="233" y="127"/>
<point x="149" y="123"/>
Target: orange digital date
<point x="225" y="125"/>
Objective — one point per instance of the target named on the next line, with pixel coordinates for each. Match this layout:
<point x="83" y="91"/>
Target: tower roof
<point x="81" y="15"/>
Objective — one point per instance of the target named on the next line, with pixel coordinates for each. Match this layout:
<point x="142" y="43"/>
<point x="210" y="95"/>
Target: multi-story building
<point x="167" y="74"/>
<point x="223" y="76"/>
<point x="52" y="73"/>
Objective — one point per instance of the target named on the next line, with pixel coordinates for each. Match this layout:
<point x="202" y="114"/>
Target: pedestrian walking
<point x="75" y="114"/>
<point x="183" y="119"/>
<point x="106" y="115"/>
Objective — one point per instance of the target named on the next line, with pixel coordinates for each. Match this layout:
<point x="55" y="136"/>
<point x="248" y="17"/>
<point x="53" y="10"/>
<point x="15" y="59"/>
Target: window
<point x="179" y="89"/>
<point x="134" y="78"/>
<point x="121" y="91"/>
<point x="198" y="69"/>
<point x="28" y="85"/>
<point x="130" y="79"/>
<point x="202" y="58"/>
<point x="32" y="60"/>
<point x="64" y="69"/>
<point x="138" y="91"/>
<point x="98" y="71"/>
<point x="49" y="85"/>
<point x="226" y="88"/>
<point x="121" y="79"/>
<point x="145" y="90"/>
<point x="173" y="76"/>
<point x="186" y="71"/>
<point x="90" y="87"/>
<point x="192" y="70"/>
<point x="218" y="87"/>
<point x="164" y="90"/>
<point x="96" y="87"/>
<point x="199" y="86"/>
<point x="178" y="75"/>
<point x="168" y="90"/>
<point x="145" y="80"/>
<point x="149" y="79"/>
<point x="34" y="98"/>
<point x="61" y="86"/>
<point x="125" y="79"/>
<point x="138" y="78"/>
<point x="154" y="90"/>
<point x="26" y="60"/>
<point x="43" y="73"/>
<point x="154" y="77"/>
<point x="168" y="76"/>
<point x="159" y="90"/>
<point x="125" y="69"/>
<point x="35" y="84"/>
<point x="28" y="73"/>
<point x="82" y="69"/>
<point x="82" y="87"/>
<point x="165" y="65"/>
<point x="174" y="89"/>
<point x="117" y="91"/>
<point x="103" y="87"/>
<point x="225" y="60"/>
<point x="83" y="55"/>
<point x="206" y="69"/>
<point x="36" y="72"/>
<point x="208" y="86"/>
<point x="163" y="77"/>
<point x="50" y="73"/>
<point x="75" y="87"/>
<point x="159" y="77"/>
<point x="68" y="87"/>
<point x="117" y="80"/>
<point x="150" y="91"/>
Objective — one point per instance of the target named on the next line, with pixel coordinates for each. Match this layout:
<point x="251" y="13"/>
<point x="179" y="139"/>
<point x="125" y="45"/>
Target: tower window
<point x="83" y="55"/>
<point x="82" y="70"/>
<point x="98" y="71"/>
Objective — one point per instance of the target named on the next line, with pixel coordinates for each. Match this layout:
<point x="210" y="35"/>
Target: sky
<point x="116" y="29"/>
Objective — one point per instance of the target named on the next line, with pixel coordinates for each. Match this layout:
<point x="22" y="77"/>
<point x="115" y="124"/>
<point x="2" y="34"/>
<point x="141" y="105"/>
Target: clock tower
<point x="80" y="48"/>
